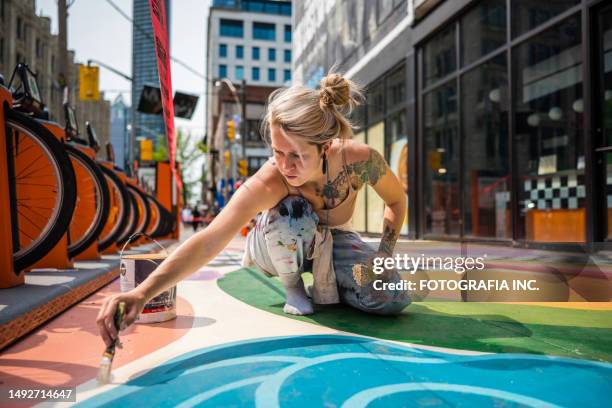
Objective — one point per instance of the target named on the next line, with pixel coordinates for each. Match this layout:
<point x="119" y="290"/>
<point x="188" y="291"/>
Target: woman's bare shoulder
<point x="356" y="152"/>
<point x="267" y="180"/>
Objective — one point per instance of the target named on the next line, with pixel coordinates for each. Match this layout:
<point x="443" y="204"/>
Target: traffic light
<point x="231" y="131"/>
<point x="243" y="168"/>
<point x="226" y="155"/>
<point x="89" y="80"/>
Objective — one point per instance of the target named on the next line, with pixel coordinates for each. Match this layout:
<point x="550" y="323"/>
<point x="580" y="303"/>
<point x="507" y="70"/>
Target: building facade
<point x="248" y="57"/>
<point x="499" y="111"/>
<point x="26" y="37"/>
<point x="119" y="136"/>
<point x="144" y="72"/>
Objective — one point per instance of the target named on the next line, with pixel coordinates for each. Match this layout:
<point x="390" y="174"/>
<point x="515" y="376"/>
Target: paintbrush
<point x="104" y="372"/>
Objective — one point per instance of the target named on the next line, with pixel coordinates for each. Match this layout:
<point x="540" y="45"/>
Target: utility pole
<point x="64" y="68"/>
<point x="243" y="122"/>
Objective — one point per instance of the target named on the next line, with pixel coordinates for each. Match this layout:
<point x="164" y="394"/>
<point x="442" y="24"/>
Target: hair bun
<point x="335" y="90"/>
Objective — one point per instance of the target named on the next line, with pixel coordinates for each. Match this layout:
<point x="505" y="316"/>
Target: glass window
<point x="239" y="72"/>
<point x="439" y="56"/>
<point x="231" y="28"/>
<point x="223" y="50"/>
<point x="271" y="75"/>
<point x="286" y="75"/>
<point x="396" y="151"/>
<point x="375" y="102"/>
<point x="528" y="14"/>
<point x="486" y="195"/>
<point x="287" y="56"/>
<point x="223" y="71"/>
<point x="239" y="52"/>
<point x="287" y="33"/>
<point x="483" y="30"/>
<point x="396" y="87"/>
<point x="271" y="54"/>
<point x="255" y="53"/>
<point x="549" y="134"/>
<point x="441" y="175"/>
<point x="255" y="73"/>
<point x="264" y="31"/>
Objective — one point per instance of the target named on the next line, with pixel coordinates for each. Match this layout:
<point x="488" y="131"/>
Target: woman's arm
<point x="262" y="191"/>
<point x="369" y="166"/>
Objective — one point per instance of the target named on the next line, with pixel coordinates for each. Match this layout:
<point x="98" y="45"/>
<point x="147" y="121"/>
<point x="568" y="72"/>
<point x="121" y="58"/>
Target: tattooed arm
<point x="376" y="173"/>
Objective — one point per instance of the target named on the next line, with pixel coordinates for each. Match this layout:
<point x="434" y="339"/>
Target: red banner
<point x="160" y="32"/>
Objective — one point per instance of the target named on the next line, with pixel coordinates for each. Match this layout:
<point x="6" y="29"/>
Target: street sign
<point x="150" y="100"/>
<point x="89" y="89"/>
<point x="184" y="105"/>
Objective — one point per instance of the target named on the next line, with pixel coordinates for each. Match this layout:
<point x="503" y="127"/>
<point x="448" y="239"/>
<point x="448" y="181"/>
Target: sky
<point x="97" y="31"/>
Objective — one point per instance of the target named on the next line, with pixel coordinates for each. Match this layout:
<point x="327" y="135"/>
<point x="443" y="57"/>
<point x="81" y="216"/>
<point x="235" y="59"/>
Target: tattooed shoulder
<point x="368" y="171"/>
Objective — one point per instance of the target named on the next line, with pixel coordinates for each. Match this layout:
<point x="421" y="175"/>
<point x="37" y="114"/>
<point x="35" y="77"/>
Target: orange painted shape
<point x="66" y="351"/>
<point x="8" y="278"/>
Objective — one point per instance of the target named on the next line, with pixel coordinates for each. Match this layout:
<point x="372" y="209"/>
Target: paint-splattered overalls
<point x="282" y="239"/>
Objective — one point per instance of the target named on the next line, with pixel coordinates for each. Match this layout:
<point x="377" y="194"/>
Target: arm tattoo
<point x="369" y="171"/>
<point x="359" y="173"/>
<point x="388" y="240"/>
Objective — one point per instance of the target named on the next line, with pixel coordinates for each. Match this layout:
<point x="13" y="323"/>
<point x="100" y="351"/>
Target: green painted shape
<point x="488" y="327"/>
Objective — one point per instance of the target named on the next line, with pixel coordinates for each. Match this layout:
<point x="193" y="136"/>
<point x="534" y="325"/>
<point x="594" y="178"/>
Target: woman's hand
<point x="134" y="303"/>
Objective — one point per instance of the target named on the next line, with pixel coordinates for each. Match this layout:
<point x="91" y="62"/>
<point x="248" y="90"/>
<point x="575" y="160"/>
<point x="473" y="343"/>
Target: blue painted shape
<point x="333" y="370"/>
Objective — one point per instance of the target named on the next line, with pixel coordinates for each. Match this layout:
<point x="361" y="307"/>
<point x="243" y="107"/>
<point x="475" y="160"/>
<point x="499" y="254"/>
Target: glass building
<point x="144" y="70"/>
<point x="495" y="114"/>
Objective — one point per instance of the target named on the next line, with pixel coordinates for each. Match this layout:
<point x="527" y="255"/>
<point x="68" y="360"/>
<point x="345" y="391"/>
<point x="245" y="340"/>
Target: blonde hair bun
<point x="317" y="115"/>
<point x="336" y="90"/>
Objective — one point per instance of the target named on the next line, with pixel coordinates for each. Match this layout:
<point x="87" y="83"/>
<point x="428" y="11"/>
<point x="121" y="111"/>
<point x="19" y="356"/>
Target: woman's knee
<point x="295" y="214"/>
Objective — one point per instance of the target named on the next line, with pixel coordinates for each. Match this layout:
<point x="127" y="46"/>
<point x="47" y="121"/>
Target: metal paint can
<point x="134" y="269"/>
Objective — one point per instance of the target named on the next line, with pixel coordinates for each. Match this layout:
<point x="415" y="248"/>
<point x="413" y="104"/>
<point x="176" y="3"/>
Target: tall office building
<point x="250" y="41"/>
<point x="144" y="70"/>
<point x="119" y="136"/>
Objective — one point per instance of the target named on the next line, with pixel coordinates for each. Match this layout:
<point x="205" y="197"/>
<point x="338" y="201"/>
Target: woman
<point x="306" y="196"/>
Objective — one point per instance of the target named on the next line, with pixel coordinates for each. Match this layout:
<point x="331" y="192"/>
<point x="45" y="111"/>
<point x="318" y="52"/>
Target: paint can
<point x="134" y="269"/>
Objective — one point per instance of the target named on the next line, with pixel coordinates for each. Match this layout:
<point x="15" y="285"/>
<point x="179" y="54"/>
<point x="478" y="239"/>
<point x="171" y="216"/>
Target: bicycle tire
<point x="75" y="247"/>
<point x="132" y="223"/>
<point x="58" y="222"/>
<point x="144" y="203"/>
<point x="119" y="191"/>
<point x="155" y="220"/>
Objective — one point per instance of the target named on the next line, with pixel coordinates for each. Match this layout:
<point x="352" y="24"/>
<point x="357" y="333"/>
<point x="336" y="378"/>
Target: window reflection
<point x="483" y="30"/>
<point x="441" y="186"/>
<point x="549" y="135"/>
<point x="486" y="176"/>
<point x="439" y="56"/>
<point x="528" y="14"/>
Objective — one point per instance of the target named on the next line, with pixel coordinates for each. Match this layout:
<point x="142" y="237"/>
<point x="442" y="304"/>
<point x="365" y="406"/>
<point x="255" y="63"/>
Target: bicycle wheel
<point x="43" y="185"/>
<point x="92" y="206"/>
<point x="119" y="209"/>
<point x="144" y="210"/>
<point x="155" y="219"/>
<point x="132" y="222"/>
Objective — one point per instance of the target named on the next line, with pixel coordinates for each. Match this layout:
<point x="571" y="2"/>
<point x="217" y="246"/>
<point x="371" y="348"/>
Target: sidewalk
<point x="232" y="345"/>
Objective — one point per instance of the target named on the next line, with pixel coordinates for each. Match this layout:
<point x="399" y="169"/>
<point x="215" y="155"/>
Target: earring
<point x="324" y="163"/>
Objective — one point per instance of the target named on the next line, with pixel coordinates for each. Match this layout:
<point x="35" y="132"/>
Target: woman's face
<point x="297" y="160"/>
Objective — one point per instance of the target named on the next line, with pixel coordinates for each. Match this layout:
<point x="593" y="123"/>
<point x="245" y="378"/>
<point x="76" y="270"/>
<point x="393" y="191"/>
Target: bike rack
<point x="57" y="258"/>
<point x="91" y="253"/>
<point x="8" y="276"/>
<point x="167" y="193"/>
<point x="113" y="248"/>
